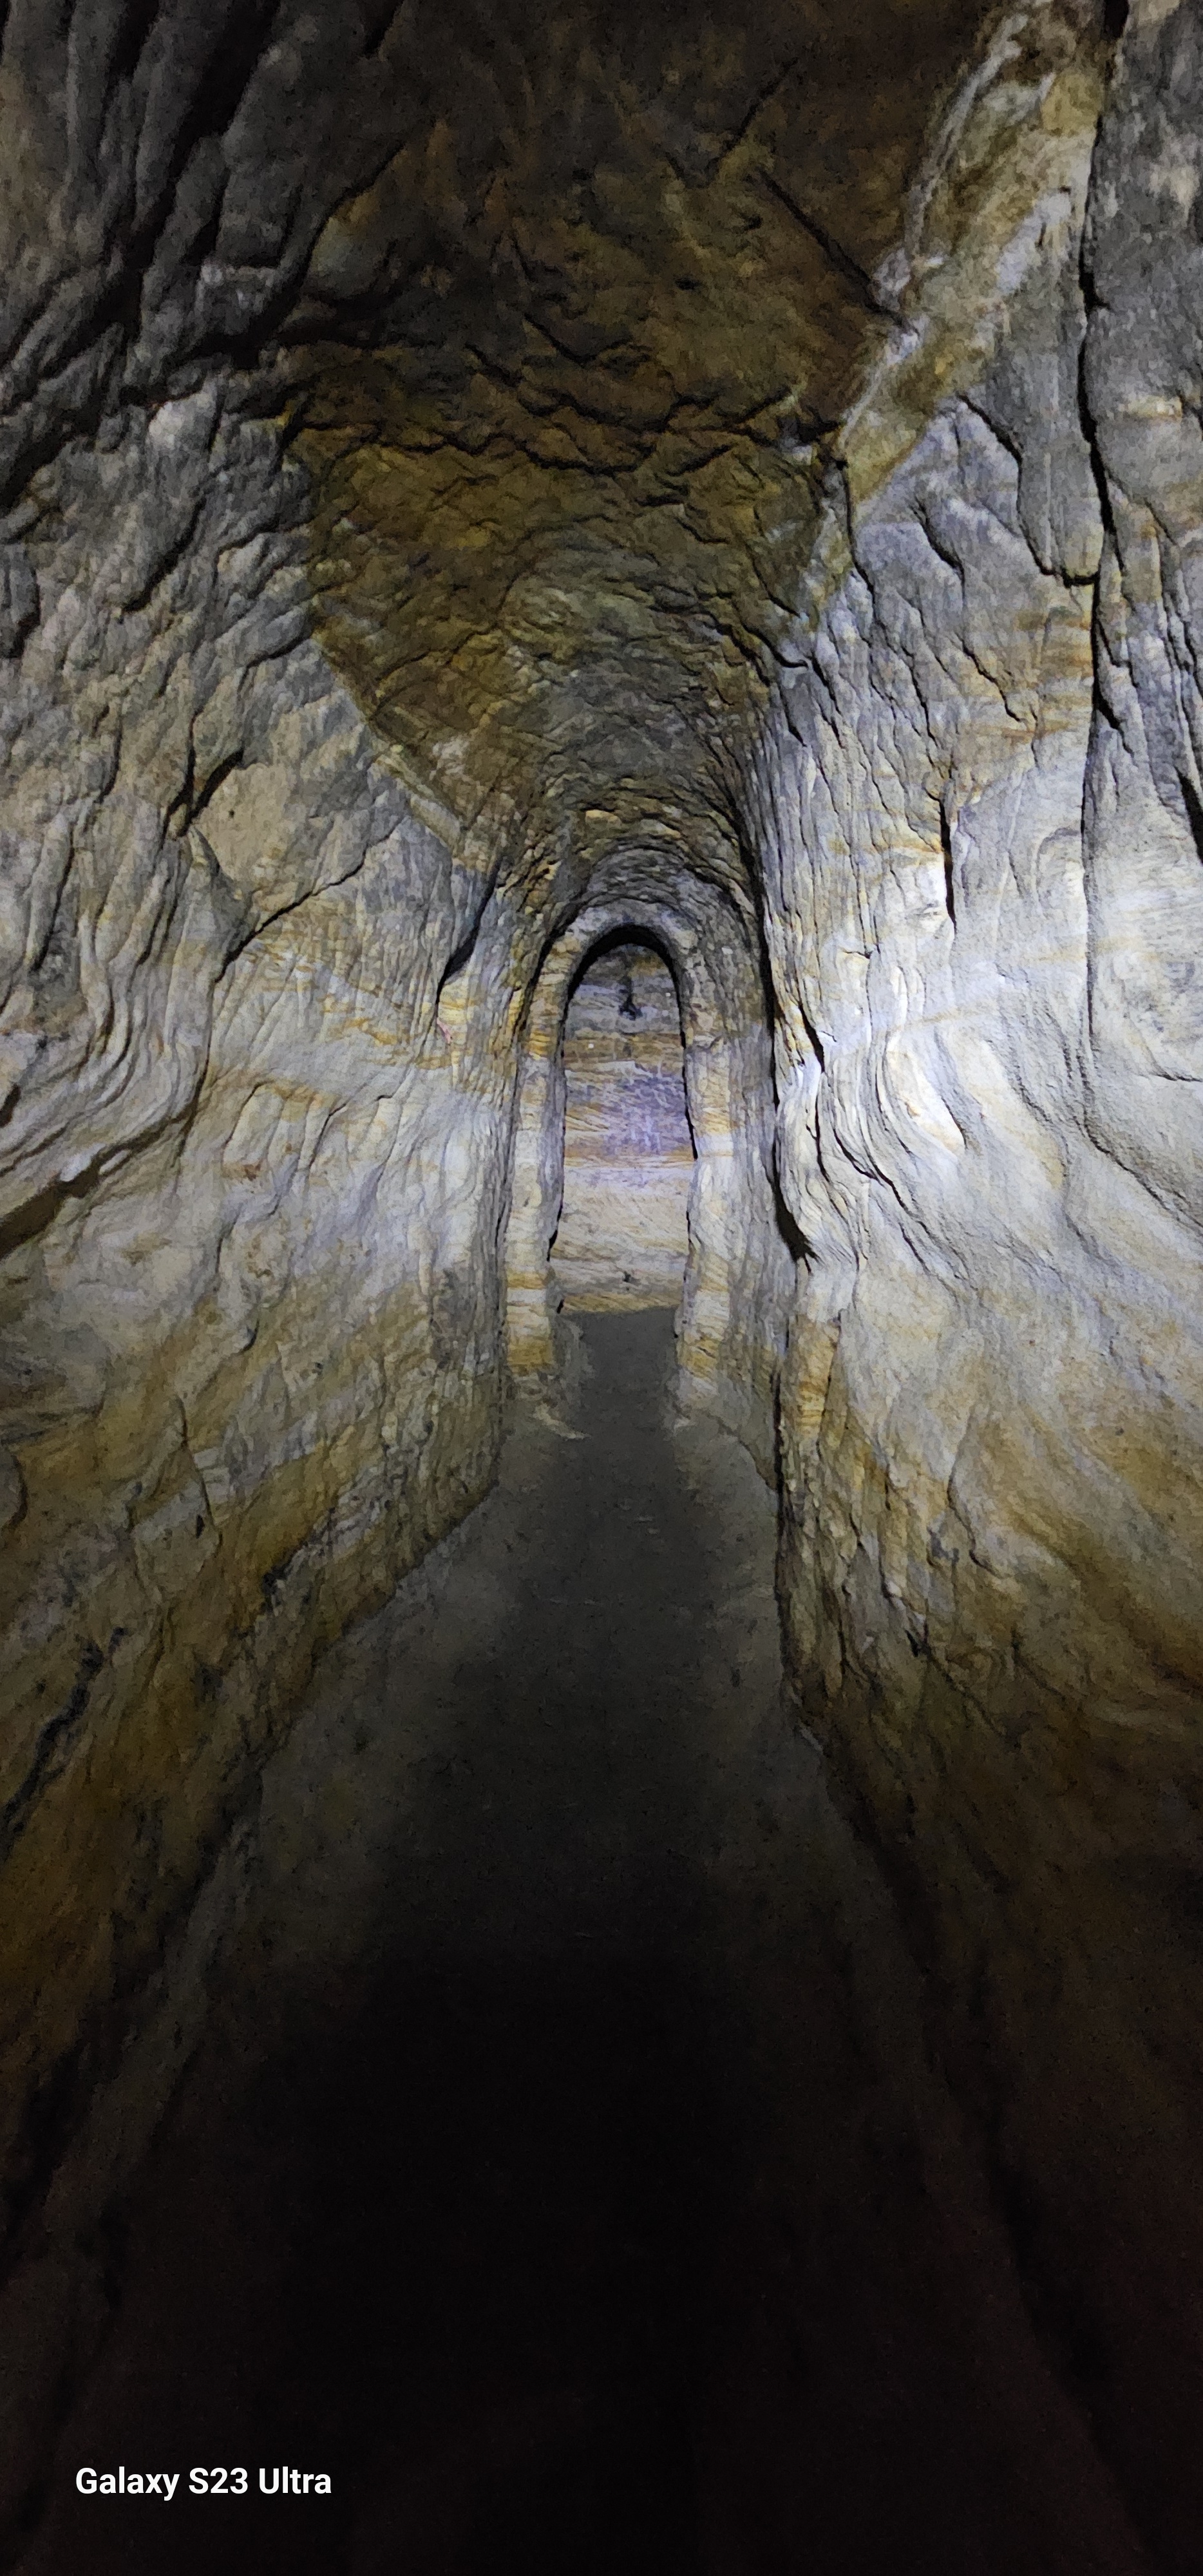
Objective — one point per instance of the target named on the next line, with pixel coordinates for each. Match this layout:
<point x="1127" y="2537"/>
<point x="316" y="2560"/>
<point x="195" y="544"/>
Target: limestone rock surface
<point x="984" y="903"/>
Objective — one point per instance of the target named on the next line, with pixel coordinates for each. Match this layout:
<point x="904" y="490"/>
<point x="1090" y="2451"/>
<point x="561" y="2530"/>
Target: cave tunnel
<point x="601" y="1408"/>
<point x="622" y="1235"/>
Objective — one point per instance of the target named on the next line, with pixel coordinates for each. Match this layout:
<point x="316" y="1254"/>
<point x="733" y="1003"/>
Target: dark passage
<point x="562" y="2171"/>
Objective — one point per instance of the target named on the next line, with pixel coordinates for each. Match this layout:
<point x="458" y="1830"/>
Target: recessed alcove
<point x="728" y="1276"/>
<point x="622" y="1237"/>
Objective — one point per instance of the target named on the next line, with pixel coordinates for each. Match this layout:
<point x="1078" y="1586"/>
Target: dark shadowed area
<point x="562" y="2171"/>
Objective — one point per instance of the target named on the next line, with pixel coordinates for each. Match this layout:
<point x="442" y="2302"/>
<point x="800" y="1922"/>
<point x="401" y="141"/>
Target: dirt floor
<point x="562" y="2172"/>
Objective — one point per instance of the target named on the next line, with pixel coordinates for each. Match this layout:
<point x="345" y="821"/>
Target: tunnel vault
<point x="471" y="486"/>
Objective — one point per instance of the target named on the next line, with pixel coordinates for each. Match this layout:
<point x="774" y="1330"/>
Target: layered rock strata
<point x="984" y="903"/>
<point x="230" y="1118"/>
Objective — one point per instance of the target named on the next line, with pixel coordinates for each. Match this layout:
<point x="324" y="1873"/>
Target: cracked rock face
<point x="471" y="498"/>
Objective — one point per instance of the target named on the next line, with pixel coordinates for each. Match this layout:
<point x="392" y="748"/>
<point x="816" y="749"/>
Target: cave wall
<point x="977" y="800"/>
<point x="231" y="1114"/>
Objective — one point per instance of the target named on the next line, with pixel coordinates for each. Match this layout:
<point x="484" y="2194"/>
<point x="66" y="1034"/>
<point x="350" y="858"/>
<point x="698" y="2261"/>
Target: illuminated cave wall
<point x="979" y="810"/>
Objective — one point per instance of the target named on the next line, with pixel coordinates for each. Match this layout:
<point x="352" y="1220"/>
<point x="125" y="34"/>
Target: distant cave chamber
<point x="622" y="1236"/>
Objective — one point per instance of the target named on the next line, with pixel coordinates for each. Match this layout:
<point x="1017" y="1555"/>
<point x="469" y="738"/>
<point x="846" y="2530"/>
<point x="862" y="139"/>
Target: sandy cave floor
<point x="562" y="2170"/>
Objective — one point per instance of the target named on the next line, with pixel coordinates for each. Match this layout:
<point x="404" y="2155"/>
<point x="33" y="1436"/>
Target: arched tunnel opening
<point x="622" y="1232"/>
<point x="601" y="1786"/>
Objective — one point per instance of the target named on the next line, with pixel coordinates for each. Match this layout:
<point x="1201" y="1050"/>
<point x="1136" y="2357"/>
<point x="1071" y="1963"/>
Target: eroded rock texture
<point x="477" y="492"/>
<point x="985" y="904"/>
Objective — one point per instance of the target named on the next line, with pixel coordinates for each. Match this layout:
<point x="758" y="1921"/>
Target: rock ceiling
<point x="573" y="364"/>
<point x="574" y="360"/>
<point x="562" y="312"/>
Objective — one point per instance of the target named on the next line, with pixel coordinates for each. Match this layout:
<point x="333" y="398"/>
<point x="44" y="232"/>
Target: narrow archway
<point x="690" y="1117"/>
<point x="622" y="1239"/>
